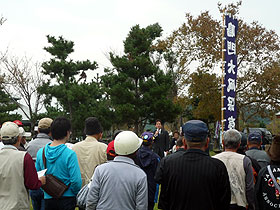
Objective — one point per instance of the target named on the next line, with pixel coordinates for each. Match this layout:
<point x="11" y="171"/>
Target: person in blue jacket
<point x="148" y="161"/>
<point x="61" y="162"/>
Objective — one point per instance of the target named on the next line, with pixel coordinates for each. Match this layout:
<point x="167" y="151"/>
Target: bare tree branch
<point x="22" y="79"/>
<point x="2" y="20"/>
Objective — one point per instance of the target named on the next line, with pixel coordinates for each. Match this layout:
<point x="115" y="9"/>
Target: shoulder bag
<point x="54" y="187"/>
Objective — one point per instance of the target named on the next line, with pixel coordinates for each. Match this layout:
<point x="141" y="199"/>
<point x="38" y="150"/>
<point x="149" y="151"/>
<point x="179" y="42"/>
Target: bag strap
<point x="273" y="178"/>
<point x="44" y="161"/>
<point x="44" y="158"/>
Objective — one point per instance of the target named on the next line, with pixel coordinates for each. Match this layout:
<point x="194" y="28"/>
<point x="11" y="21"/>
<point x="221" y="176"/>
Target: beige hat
<point x="9" y="130"/>
<point x="23" y="133"/>
<point x="45" y="123"/>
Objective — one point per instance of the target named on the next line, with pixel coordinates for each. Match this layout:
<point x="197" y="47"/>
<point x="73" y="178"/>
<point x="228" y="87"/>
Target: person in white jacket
<point x="240" y="172"/>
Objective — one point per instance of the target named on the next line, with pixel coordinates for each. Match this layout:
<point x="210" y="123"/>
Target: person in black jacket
<point x="161" y="142"/>
<point x="147" y="160"/>
<point x="193" y="180"/>
<point x="267" y="188"/>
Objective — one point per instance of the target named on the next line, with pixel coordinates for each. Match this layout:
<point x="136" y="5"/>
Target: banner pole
<point x="222" y="82"/>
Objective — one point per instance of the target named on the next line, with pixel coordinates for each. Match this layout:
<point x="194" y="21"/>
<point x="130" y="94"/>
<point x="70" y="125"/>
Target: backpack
<point x="256" y="168"/>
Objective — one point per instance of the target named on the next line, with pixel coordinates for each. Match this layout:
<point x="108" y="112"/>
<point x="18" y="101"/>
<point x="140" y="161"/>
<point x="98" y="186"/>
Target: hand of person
<point x="43" y="180"/>
<point x="156" y="133"/>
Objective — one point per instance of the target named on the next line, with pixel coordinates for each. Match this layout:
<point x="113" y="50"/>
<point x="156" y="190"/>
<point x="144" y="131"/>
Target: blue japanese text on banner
<point x="231" y="27"/>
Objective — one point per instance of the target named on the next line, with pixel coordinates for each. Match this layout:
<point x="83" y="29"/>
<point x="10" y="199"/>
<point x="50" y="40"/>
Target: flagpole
<point x="222" y="82"/>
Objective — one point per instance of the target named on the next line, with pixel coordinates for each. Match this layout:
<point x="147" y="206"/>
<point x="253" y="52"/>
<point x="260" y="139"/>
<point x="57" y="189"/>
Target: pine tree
<point x="67" y="84"/>
<point x="7" y="105"/>
<point x="137" y="87"/>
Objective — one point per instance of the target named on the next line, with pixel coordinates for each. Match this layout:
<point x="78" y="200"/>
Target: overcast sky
<point x="97" y="27"/>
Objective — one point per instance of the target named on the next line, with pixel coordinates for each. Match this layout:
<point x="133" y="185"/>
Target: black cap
<point x="195" y="130"/>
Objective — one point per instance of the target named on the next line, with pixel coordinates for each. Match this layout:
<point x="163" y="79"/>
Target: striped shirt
<point x="193" y="181"/>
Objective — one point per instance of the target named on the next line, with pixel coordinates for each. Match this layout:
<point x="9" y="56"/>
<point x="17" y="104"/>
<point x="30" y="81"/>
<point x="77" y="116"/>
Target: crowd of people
<point x="135" y="172"/>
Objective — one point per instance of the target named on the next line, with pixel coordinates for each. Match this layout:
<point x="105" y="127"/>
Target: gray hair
<point x="11" y="141"/>
<point x="232" y="138"/>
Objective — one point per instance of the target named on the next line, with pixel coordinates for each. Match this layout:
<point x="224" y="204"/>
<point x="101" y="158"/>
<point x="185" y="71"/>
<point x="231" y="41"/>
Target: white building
<point x="20" y="112"/>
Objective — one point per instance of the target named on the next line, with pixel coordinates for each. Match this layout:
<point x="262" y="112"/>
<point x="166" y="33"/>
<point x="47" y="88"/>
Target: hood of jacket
<point x="145" y="157"/>
<point x="52" y="153"/>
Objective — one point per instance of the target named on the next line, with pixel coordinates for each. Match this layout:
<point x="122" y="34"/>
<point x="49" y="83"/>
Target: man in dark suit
<point x="161" y="143"/>
<point x="192" y="179"/>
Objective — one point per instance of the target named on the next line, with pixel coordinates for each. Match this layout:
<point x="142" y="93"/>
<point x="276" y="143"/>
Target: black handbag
<point x="54" y="187"/>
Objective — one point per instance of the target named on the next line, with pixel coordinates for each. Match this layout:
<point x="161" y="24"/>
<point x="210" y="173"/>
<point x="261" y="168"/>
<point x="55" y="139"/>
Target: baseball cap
<point x="45" y="123"/>
<point x="147" y="137"/>
<point x="195" y="130"/>
<point x="255" y="137"/>
<point x="111" y="149"/>
<point x="9" y="130"/>
<point x="23" y="133"/>
<point x="18" y="122"/>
